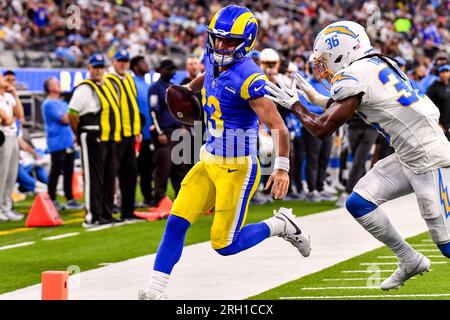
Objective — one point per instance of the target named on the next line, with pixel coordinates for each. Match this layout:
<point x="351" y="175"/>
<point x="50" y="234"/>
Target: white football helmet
<point x="338" y="45"/>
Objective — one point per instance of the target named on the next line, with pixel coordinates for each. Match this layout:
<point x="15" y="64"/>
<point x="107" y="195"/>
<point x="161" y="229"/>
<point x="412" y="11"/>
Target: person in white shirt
<point x="9" y="151"/>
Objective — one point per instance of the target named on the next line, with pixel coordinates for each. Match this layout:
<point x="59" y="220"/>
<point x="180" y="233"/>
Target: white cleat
<point x="406" y="271"/>
<point x="148" y="294"/>
<point x="292" y="232"/>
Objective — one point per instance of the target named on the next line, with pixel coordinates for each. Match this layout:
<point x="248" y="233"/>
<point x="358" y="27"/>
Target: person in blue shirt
<point x="440" y="60"/>
<point x="60" y="143"/>
<point x="317" y="152"/>
<point x="145" y="159"/>
<point x="414" y="84"/>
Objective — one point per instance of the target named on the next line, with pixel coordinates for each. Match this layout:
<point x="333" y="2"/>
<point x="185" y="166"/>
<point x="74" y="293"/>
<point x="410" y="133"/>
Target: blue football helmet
<point x="231" y="22"/>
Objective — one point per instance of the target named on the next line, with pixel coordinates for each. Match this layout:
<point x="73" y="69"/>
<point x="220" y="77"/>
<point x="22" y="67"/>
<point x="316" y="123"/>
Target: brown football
<point x="183" y="104"/>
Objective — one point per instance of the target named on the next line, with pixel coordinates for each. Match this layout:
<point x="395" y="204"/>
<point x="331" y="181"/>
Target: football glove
<point x="282" y="95"/>
<point x="310" y="94"/>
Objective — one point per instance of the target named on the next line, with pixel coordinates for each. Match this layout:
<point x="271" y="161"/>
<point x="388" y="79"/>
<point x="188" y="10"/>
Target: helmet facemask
<point x="220" y="57"/>
<point x="325" y="74"/>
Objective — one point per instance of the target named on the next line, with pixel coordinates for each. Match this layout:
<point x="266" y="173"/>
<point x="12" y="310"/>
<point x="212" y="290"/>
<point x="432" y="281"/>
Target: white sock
<point x="379" y="225"/>
<point x="276" y="226"/>
<point x="158" y="281"/>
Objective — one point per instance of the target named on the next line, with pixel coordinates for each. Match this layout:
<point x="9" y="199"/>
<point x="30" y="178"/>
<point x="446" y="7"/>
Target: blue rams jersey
<point x="231" y="124"/>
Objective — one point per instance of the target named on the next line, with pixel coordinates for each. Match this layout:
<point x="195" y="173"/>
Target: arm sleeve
<point x="311" y="107"/>
<point x="253" y="86"/>
<point x="346" y="84"/>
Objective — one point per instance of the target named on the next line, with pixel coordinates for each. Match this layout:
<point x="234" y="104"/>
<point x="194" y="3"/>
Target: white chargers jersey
<point x="408" y="121"/>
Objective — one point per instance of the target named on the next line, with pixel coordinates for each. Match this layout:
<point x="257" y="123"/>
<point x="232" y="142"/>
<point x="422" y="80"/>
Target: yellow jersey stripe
<point x="254" y="77"/>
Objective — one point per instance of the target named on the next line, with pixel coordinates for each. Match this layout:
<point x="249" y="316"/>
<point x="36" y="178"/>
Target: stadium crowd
<point x="138" y="35"/>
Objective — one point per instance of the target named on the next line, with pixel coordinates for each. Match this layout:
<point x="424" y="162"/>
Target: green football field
<point x="360" y="277"/>
<point x="356" y="278"/>
<point x="22" y="266"/>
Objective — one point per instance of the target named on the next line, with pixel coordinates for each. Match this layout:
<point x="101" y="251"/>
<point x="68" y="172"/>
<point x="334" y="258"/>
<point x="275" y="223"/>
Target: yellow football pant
<point x="225" y="183"/>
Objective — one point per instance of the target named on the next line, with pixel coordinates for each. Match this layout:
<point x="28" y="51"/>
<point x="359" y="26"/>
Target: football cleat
<point x="148" y="294"/>
<point x="406" y="271"/>
<point x="292" y="232"/>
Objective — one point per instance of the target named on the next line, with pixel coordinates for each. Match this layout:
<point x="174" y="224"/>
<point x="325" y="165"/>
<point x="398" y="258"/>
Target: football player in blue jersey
<point x="228" y="172"/>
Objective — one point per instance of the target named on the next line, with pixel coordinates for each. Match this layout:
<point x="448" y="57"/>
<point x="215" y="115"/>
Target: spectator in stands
<point x="165" y="125"/>
<point x="439" y="93"/>
<point x="145" y="160"/>
<point x="9" y="151"/>
<point x="122" y="84"/>
<point x="98" y="139"/>
<point x="60" y="143"/>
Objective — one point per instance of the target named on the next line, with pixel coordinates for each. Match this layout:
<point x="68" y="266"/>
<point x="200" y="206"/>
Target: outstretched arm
<point x="322" y="126"/>
<point x="268" y="113"/>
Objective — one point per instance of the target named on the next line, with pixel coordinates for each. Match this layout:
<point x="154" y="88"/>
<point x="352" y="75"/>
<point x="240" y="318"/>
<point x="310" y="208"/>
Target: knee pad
<point x="358" y="206"/>
<point x="445" y="249"/>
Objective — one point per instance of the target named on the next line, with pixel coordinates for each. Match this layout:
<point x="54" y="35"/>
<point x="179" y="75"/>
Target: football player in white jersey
<point x="372" y="86"/>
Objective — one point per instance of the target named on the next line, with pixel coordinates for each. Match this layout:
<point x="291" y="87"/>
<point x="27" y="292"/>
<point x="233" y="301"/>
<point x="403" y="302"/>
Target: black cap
<point x="166" y="64"/>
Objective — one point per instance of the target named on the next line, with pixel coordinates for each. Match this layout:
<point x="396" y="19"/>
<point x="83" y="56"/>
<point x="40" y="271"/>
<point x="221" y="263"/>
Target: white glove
<point x="310" y="94"/>
<point x="281" y="94"/>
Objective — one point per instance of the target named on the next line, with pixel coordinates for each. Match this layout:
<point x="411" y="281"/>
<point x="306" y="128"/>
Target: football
<point x="183" y="104"/>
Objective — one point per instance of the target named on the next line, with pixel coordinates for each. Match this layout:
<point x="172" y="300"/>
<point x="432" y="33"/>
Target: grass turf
<point x="430" y="285"/>
<point x="22" y="266"/>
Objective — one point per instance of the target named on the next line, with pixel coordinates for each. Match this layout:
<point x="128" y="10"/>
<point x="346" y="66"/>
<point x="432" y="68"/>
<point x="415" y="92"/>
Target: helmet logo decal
<point x="341" y="30"/>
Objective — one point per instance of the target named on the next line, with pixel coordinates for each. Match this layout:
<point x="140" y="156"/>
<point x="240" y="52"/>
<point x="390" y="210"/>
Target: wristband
<point x="281" y="163"/>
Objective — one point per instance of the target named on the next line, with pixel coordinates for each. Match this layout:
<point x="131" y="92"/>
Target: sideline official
<point x="121" y="83"/>
<point x="95" y="120"/>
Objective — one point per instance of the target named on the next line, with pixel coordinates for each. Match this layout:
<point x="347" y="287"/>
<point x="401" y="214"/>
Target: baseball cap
<point x="122" y="55"/>
<point x="445" y="67"/>
<point x="97" y="59"/>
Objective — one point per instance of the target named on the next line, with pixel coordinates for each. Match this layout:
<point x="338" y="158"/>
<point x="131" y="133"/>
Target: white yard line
<point x="107" y="226"/>
<point x="395" y="258"/>
<point x="61" y="236"/>
<point x="423" y="245"/>
<point x="17" y="245"/>
<point x="343" y="288"/>
<point x="351" y="279"/>
<point x="203" y="274"/>
<point x="394" y="263"/>
<point x="428" y="250"/>
<point x="366" y="271"/>
<point x="379" y="296"/>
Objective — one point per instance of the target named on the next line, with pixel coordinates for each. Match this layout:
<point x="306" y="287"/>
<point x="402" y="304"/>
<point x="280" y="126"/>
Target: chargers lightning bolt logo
<point x="444" y="195"/>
